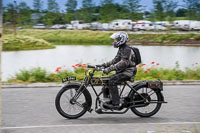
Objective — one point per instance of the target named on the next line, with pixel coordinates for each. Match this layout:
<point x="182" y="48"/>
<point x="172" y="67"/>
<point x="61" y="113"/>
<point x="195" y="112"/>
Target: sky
<point x="147" y="4"/>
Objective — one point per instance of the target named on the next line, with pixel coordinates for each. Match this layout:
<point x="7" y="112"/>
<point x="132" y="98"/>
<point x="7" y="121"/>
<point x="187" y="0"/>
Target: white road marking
<point x="150" y="131"/>
<point x="185" y="131"/>
<point x="102" y="124"/>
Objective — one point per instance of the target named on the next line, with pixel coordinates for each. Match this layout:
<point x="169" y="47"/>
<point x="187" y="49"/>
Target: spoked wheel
<point x="146" y="109"/>
<point x="69" y="108"/>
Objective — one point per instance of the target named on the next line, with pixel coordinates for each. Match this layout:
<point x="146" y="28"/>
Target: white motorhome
<point x="163" y="23"/>
<point x="148" y="27"/>
<point x="187" y="25"/>
<point x="82" y="26"/>
<point x="96" y="26"/>
<point x="195" y="25"/>
<point x="58" y="26"/>
<point x="183" y="24"/>
<point x="69" y="26"/>
<point x="76" y="24"/>
<point x="121" y="24"/>
<point x="144" y="21"/>
<point x="105" y="26"/>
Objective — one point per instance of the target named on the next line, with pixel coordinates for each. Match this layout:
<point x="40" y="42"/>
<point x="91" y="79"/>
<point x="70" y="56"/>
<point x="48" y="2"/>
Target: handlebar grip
<point x="90" y="66"/>
<point x="98" y="65"/>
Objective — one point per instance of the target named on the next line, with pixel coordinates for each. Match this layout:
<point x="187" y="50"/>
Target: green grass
<point x="30" y="39"/>
<point x="98" y="37"/>
<point x="70" y="37"/>
<point x="20" y="42"/>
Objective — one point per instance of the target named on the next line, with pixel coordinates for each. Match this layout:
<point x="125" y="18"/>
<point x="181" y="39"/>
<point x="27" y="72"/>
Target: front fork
<point x="78" y="92"/>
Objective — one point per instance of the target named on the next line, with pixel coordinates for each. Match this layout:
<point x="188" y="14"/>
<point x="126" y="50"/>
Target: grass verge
<point x="85" y="37"/>
<point x="21" y="42"/>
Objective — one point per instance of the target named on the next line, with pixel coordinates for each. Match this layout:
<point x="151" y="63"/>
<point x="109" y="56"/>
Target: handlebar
<point x="96" y="67"/>
<point x="91" y="66"/>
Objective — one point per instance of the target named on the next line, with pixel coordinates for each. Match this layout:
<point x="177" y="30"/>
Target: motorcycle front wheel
<point x="67" y="107"/>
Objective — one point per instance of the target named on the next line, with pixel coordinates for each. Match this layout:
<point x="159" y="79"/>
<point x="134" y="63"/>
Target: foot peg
<point x="90" y="110"/>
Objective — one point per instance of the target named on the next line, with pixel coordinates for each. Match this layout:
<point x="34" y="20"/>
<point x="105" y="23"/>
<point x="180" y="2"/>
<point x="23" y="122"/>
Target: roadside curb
<point x="45" y="85"/>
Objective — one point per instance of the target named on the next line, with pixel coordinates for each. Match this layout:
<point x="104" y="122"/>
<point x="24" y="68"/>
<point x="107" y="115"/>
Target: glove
<point x="104" y="65"/>
<point x="106" y="71"/>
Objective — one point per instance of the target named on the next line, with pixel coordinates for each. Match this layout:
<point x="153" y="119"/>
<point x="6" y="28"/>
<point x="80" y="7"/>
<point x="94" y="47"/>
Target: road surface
<point x="32" y="110"/>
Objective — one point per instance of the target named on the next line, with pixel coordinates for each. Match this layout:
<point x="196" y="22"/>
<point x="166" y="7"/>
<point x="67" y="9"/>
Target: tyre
<point x="72" y="109"/>
<point x="148" y="109"/>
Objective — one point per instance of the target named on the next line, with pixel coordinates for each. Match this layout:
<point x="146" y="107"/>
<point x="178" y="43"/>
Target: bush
<point x="32" y="75"/>
<point x="144" y="72"/>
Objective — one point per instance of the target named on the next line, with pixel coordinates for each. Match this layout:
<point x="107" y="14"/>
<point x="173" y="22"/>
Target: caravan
<point x="121" y="24"/>
<point x="96" y="26"/>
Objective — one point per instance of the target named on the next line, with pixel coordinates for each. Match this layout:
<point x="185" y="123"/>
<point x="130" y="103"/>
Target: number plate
<point x="68" y="79"/>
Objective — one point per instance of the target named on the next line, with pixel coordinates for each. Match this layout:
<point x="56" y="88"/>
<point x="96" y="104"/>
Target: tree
<point x="24" y="16"/>
<point x="181" y="12"/>
<point x="159" y="9"/>
<point x="9" y="12"/>
<point x="108" y="11"/>
<point x="193" y="8"/>
<point x="106" y="2"/>
<point x="87" y="3"/>
<point x="170" y="6"/>
<point x="37" y="5"/>
<point x="50" y="19"/>
<point x="11" y="15"/>
<point x="134" y="7"/>
<point x="53" y="6"/>
<point x="71" y="6"/>
<point x="87" y="10"/>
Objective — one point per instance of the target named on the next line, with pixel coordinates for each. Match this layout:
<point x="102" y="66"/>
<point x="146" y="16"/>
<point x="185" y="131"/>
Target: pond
<point x="68" y="55"/>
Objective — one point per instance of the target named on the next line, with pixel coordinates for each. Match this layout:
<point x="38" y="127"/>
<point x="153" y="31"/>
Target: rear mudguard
<point x="143" y="84"/>
<point x="86" y="92"/>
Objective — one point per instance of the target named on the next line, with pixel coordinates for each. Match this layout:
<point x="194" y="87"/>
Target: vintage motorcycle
<point x="144" y="97"/>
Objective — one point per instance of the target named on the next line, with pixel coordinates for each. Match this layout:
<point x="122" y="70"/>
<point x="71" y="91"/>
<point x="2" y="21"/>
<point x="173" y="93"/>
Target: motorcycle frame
<point x="87" y="81"/>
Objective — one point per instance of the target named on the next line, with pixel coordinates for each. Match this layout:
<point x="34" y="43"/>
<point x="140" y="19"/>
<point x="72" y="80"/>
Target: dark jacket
<point x="123" y="61"/>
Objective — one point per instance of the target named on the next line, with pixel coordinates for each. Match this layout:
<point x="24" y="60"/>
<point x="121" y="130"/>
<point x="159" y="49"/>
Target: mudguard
<point x="144" y="84"/>
<point x="86" y="92"/>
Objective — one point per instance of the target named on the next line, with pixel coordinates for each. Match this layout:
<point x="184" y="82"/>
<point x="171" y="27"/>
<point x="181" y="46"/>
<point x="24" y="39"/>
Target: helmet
<point x="121" y="37"/>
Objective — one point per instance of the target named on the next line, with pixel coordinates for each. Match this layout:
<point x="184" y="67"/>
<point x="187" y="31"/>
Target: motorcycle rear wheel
<point x="145" y="111"/>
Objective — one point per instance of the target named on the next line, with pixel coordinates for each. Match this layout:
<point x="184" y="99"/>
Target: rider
<point x="123" y="64"/>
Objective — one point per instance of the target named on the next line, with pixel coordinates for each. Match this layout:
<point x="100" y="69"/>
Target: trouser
<point x="114" y="80"/>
